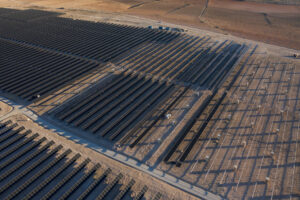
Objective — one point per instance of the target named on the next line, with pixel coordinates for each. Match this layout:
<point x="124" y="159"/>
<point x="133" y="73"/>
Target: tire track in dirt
<point x="205" y="8"/>
<point x="141" y="4"/>
<point x="178" y="8"/>
<point x="266" y="17"/>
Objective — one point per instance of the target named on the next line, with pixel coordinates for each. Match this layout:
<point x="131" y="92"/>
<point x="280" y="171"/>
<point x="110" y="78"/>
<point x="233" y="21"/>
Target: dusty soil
<point x="269" y="23"/>
<point x="4" y="108"/>
<point x="284" y="2"/>
<point x="249" y="149"/>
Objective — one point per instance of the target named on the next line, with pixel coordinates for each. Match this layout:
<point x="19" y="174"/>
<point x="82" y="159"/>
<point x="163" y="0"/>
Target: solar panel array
<point x="32" y="167"/>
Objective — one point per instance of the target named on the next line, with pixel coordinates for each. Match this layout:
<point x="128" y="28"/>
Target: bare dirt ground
<point x="4" y="108"/>
<point x="269" y="23"/>
<point x="249" y="149"/>
<point x="284" y="2"/>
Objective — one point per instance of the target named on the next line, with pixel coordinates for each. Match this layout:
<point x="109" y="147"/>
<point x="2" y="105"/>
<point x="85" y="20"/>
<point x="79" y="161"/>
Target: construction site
<point x="95" y="105"/>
